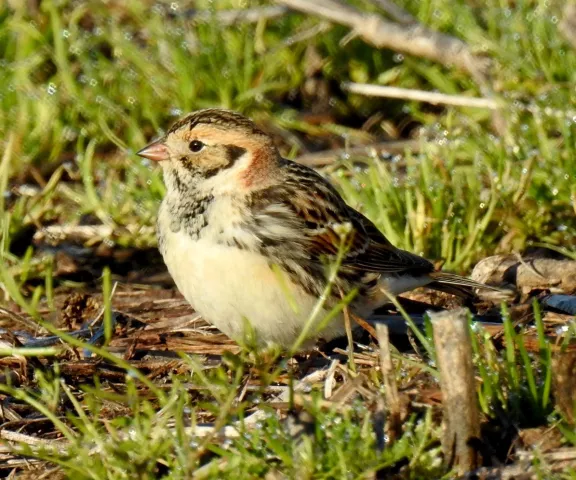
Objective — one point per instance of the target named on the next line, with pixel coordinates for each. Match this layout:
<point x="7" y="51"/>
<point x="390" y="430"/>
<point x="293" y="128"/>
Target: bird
<point x="251" y="238"/>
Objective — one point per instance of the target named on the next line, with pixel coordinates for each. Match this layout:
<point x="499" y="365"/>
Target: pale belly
<point x="232" y="287"/>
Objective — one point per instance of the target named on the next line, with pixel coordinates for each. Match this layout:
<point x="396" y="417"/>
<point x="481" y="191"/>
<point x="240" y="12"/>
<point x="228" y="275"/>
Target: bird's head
<point x="215" y="150"/>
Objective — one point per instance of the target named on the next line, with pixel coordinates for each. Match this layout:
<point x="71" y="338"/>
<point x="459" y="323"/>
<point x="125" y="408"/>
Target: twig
<point x="395" y="12"/>
<point x="79" y="233"/>
<point x="366" y="326"/>
<point x="434" y="98"/>
<point x="328" y="157"/>
<point x="348" y="328"/>
<point x="560" y="455"/>
<point x="564" y="383"/>
<point x="568" y="24"/>
<point x="412" y="39"/>
<point x="350" y="388"/>
<point x="391" y="388"/>
<point x="240" y="15"/>
<point x="61" y="446"/>
<point x="461" y="419"/>
<point x="397" y="323"/>
<point x="306" y="34"/>
<point x="329" y="382"/>
<point x="24" y="321"/>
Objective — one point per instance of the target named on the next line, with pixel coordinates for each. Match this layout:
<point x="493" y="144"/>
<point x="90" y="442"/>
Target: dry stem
<point x="410" y="38"/>
<point x="461" y="421"/>
<point x="434" y="98"/>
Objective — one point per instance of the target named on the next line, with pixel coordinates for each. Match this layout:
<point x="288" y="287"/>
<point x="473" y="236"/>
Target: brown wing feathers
<point x="369" y="249"/>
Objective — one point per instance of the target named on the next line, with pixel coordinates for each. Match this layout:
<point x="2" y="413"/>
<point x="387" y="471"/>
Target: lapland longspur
<point x="247" y="235"/>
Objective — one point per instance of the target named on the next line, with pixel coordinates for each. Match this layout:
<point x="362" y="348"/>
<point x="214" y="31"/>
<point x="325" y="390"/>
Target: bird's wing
<point x="327" y="225"/>
<point x="382" y="256"/>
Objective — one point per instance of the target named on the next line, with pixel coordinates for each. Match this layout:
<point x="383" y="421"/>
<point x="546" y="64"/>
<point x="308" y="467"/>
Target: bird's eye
<point x="196" y="145"/>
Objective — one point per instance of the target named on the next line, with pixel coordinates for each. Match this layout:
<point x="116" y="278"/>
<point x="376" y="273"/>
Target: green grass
<point x="86" y="84"/>
<point x="89" y="87"/>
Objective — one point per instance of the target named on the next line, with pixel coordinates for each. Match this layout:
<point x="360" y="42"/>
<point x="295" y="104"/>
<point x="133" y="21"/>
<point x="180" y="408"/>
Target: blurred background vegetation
<point x="84" y="84"/>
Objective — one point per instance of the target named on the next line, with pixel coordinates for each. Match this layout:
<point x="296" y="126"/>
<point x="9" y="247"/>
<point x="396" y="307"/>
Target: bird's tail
<point x="461" y="286"/>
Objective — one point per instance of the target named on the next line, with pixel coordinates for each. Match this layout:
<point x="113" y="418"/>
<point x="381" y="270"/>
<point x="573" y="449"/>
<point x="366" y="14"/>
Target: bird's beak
<point x="156" y="151"/>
